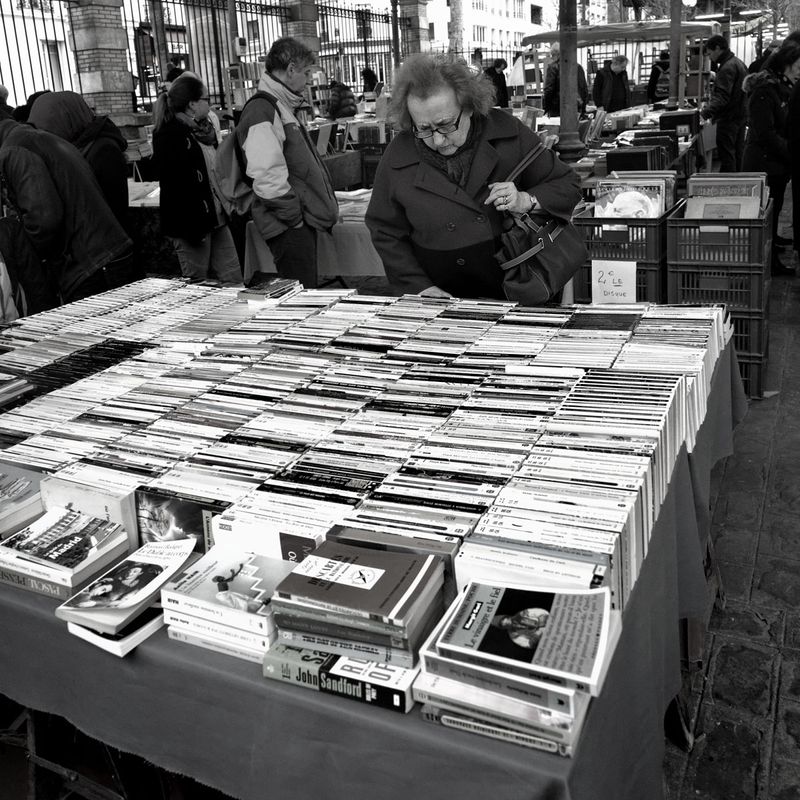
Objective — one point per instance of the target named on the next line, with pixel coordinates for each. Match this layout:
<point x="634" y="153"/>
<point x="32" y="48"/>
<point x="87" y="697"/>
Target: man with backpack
<point x="293" y="199"/>
<point x="658" y="85"/>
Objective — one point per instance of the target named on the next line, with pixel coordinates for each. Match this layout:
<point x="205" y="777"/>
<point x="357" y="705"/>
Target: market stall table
<point x="216" y="719"/>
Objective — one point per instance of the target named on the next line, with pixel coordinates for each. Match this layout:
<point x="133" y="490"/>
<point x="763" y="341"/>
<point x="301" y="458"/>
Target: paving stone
<point x="786" y="746"/>
<point x="776" y="583"/>
<point x="789" y="682"/>
<point x="746" y="473"/>
<point x="742" y="677"/>
<point x="726" y="761"/>
<point x="734" y="543"/>
<point x="742" y="506"/>
<point x="736" y="579"/>
<point x="784" y="781"/>
<point x="780" y="535"/>
<point x="792" y="635"/>
<point x="741" y="621"/>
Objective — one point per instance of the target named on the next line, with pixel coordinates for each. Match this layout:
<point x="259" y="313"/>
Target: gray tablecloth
<point x="214" y="718"/>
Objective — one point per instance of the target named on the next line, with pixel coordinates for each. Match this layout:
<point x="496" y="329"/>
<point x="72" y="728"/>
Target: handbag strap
<point x="526" y="161"/>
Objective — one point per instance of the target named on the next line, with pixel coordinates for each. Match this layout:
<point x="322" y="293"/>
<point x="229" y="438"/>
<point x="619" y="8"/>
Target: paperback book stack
<point x="356" y="603"/>
<point x="20" y="498"/>
<point x="222" y="602"/>
<point x="518" y="663"/>
<point x="115" y="611"/>
<point x="60" y="551"/>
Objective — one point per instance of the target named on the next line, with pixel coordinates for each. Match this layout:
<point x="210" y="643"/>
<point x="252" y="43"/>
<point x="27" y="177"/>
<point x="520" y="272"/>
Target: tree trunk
<point x="456" y="27"/>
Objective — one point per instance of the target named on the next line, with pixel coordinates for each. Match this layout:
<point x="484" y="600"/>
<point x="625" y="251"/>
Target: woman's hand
<point x="434" y="291"/>
<point x="506" y="197"/>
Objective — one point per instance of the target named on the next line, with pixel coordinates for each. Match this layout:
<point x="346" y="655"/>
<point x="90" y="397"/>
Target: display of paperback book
<point x="365" y="681"/>
<point x="60" y="551"/>
<point x="132" y="635"/>
<point x="227" y="587"/>
<point x="118" y="596"/>
<point x="20" y="498"/>
<point x="565" y="637"/>
<point x="356" y="582"/>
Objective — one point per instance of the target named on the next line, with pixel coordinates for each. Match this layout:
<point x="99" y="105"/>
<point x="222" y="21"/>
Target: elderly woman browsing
<point x="440" y="193"/>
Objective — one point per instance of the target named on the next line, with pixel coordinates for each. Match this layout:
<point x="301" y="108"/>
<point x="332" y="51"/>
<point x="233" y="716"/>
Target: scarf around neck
<point x="456" y="166"/>
<point x="201" y="129"/>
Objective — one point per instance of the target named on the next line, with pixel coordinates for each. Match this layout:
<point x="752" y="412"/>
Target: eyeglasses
<point x="206" y="98"/>
<point x="444" y="130"/>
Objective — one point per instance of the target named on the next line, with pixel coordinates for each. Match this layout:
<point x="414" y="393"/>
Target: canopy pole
<point x="569" y="146"/>
<point x="676" y="61"/>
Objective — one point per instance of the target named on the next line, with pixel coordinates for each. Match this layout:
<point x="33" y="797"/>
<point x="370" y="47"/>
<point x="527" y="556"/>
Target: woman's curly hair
<point x="424" y="74"/>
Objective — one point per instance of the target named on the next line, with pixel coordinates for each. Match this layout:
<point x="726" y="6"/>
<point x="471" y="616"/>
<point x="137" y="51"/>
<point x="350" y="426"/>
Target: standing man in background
<point x="611" y="89"/>
<point x="294" y="199"/>
<point x="497" y="76"/>
<point x="551" y="97"/>
<point x="727" y="104"/>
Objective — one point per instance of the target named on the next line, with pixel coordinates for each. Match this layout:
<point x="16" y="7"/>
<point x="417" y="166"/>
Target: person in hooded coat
<point x="63" y="239"/>
<point x="99" y="140"/>
<point x="766" y="147"/>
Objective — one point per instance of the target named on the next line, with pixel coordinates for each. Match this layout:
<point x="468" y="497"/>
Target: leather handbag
<point x="538" y="253"/>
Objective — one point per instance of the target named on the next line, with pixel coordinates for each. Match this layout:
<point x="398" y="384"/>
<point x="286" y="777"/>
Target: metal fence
<point x="195" y="35"/>
<point x="36" y="48"/>
<point x="354" y="38"/>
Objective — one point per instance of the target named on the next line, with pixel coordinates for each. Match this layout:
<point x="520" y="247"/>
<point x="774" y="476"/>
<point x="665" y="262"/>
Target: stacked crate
<point x="726" y="261"/>
<point x="636" y="239"/>
<point x="373" y="138"/>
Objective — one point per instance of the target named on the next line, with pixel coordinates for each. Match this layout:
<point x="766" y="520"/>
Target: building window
<point x="253" y="34"/>
<point x="431" y="34"/>
<point x="52" y="59"/>
<point x="536" y="15"/>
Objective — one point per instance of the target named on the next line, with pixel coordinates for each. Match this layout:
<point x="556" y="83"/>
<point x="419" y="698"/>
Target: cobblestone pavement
<point x="744" y="708"/>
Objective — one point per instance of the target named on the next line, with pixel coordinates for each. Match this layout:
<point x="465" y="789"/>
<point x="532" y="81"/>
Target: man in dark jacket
<point x="551" y="98"/>
<point x="611" y="89"/>
<point x="80" y="247"/>
<point x="658" y="85"/>
<point x="496" y="75"/>
<point x="727" y="104"/>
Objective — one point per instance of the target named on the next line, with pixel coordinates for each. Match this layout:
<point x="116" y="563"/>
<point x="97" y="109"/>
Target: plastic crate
<point x="739" y="287"/>
<point x="753" y="370"/>
<point x="624" y="238"/>
<point x="750" y="333"/>
<point x="734" y="242"/>
<point x="650" y="283"/>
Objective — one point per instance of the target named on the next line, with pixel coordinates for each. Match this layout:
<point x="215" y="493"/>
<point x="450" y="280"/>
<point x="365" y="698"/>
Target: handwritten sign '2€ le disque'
<point x="613" y="281"/>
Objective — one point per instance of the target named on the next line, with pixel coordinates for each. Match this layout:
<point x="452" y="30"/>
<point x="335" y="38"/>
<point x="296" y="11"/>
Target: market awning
<point x="651" y="30"/>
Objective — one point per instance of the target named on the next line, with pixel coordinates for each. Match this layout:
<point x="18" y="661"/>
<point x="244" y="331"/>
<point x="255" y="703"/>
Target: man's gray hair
<point x="3" y="94"/>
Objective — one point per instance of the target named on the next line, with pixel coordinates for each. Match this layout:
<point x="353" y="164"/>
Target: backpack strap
<point x="237" y="145"/>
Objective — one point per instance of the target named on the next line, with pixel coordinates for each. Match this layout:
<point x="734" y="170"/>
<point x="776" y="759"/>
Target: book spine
<point x="521" y="670"/>
<point x="202" y="627"/>
<point x="311" y="669"/>
<point x="326" y="628"/>
<point x="348" y="620"/>
<point x="472" y="675"/>
<point x="345" y="647"/>
<point x="32" y="583"/>
<point x="49" y="573"/>
<point x="226" y="648"/>
<point x="215" y="612"/>
<point x="492" y="717"/>
<point x="432" y="713"/>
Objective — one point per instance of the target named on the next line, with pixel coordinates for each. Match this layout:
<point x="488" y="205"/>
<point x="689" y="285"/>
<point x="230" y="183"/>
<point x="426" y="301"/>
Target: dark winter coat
<point x="551" y="97"/>
<point x="500" y="87"/>
<point x="56" y="196"/>
<point x="727" y="101"/>
<point x="186" y="197"/>
<point x="99" y="140"/>
<point x="659" y="68"/>
<point x="430" y="232"/>
<point x="603" y="89"/>
<point x="342" y="101"/>
<point x="766" y="148"/>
